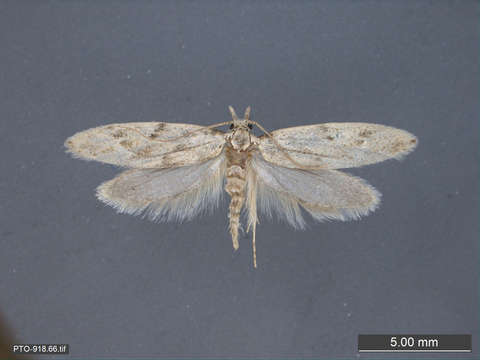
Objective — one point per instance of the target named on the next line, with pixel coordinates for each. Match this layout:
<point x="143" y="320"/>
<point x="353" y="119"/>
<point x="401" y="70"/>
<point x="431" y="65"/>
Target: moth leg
<point x="252" y="208"/>
<point x="254" y="226"/>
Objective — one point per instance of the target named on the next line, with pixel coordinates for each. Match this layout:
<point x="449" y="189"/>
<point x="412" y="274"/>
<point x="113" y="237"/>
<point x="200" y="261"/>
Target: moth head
<point x="243" y="123"/>
<point x="240" y="130"/>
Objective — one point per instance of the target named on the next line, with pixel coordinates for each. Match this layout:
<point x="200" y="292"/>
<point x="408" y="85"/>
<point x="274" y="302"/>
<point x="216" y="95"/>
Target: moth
<point x="177" y="171"/>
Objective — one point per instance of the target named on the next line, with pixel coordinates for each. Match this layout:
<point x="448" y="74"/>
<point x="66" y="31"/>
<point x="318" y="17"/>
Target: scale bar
<point x="433" y="350"/>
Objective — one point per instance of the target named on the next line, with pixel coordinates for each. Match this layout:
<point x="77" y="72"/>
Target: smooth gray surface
<point x="73" y="271"/>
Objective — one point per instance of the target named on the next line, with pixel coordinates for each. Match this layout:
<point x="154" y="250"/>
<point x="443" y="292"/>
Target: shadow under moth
<point x="176" y="171"/>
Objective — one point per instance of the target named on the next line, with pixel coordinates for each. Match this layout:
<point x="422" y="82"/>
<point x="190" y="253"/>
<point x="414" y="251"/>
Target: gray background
<point x="73" y="271"/>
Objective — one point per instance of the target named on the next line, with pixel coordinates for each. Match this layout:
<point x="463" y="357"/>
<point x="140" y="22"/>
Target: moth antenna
<point x="232" y="111"/>
<point x="247" y="113"/>
<point x="282" y="149"/>
<point x="178" y="137"/>
<point x="216" y="125"/>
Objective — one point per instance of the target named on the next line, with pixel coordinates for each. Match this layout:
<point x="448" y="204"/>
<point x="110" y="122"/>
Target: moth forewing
<point x="335" y="145"/>
<point x="147" y="145"/>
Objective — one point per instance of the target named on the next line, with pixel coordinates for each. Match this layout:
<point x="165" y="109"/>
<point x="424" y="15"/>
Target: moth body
<point x="236" y="171"/>
<point x="239" y="144"/>
<point x="175" y="172"/>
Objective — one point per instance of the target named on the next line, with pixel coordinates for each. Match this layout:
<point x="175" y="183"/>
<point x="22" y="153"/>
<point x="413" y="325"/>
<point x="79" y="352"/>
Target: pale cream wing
<point x="325" y="194"/>
<point x="336" y="145"/>
<point x="147" y="144"/>
<point x="166" y="194"/>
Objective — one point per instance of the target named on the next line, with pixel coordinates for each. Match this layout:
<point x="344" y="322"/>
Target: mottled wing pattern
<point x="325" y="194"/>
<point x="147" y="144"/>
<point x="174" y="194"/>
<point x="336" y="145"/>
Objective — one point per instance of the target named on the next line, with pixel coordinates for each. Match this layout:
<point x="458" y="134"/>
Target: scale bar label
<point x="414" y="343"/>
